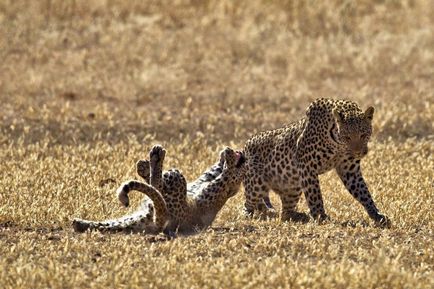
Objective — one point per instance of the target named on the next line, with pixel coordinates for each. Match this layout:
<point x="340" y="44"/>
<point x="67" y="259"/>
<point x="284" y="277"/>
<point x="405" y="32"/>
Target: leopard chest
<point x="320" y="160"/>
<point x="316" y="150"/>
<point x="327" y="163"/>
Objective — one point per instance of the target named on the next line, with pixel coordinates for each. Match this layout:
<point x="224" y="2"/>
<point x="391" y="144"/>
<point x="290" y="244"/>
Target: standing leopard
<point x="173" y="205"/>
<point x="334" y="134"/>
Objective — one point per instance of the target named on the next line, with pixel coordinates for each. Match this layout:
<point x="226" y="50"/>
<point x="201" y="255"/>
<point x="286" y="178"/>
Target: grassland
<point x="87" y="87"/>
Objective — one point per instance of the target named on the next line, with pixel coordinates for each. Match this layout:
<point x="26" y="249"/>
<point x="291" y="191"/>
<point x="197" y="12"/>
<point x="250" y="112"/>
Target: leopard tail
<point x="133" y="222"/>
<point x="161" y="212"/>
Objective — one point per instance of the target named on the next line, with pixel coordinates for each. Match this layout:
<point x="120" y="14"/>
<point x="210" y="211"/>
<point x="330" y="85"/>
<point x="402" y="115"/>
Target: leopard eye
<point x="363" y="136"/>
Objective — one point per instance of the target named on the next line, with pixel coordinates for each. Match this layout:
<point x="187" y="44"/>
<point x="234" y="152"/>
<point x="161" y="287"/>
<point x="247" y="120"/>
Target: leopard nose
<point x="361" y="153"/>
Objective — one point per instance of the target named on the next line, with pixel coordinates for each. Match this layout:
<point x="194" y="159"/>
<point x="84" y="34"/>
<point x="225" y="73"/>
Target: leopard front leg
<point x="312" y="192"/>
<point x="156" y="157"/>
<point x="143" y="169"/>
<point x="350" y="173"/>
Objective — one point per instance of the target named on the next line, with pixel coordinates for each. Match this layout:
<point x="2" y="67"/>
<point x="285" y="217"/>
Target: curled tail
<point x="161" y="212"/>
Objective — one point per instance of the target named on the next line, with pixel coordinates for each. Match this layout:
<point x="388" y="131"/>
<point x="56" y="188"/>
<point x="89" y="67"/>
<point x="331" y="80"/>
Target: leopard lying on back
<point x="173" y="204"/>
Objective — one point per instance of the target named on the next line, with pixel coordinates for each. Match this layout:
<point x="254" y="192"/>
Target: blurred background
<point x="84" y="71"/>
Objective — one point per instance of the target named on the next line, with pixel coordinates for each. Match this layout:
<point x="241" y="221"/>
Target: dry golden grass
<point x="87" y="87"/>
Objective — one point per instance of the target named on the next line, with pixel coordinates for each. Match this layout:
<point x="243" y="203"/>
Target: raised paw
<point x="143" y="169"/>
<point x="157" y="154"/>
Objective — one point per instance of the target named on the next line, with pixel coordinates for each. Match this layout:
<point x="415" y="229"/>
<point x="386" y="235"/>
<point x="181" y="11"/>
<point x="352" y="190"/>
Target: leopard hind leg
<point x="290" y="198"/>
<point x="257" y="198"/>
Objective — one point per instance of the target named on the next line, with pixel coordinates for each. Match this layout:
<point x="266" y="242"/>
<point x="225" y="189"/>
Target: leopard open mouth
<point x="241" y="159"/>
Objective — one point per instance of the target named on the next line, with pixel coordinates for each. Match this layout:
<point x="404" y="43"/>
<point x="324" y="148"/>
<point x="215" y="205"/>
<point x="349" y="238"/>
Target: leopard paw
<point x="157" y="154"/>
<point x="143" y="169"/>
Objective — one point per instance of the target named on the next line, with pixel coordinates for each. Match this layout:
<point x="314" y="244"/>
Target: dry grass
<point x="87" y="87"/>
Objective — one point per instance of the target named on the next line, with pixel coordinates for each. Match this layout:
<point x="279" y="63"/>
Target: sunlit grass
<point x="87" y="87"/>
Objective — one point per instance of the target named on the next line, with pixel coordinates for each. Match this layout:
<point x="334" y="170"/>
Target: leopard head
<point x="235" y="167"/>
<point x="354" y="131"/>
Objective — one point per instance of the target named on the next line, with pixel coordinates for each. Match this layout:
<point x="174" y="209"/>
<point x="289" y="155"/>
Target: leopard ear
<point x="338" y="116"/>
<point x="369" y="113"/>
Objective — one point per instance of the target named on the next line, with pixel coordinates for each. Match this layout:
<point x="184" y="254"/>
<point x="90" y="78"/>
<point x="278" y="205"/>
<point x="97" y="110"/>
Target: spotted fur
<point x="333" y="135"/>
<point x="173" y="205"/>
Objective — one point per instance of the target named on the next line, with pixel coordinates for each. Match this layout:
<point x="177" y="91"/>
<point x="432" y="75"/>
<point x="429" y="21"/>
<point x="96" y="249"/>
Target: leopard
<point x="332" y="135"/>
<point x="171" y="205"/>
